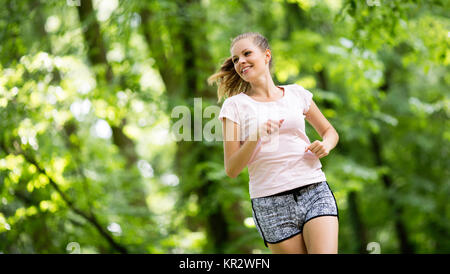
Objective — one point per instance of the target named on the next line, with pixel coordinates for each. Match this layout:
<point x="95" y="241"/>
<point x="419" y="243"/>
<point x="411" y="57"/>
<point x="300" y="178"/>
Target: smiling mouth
<point x="245" y="70"/>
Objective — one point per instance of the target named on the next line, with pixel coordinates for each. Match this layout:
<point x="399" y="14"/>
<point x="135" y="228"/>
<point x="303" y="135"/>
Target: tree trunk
<point x="92" y="36"/>
<point x="406" y="245"/>
<point x="184" y="87"/>
<point x="397" y="211"/>
<point x="358" y="224"/>
<point x="97" y="56"/>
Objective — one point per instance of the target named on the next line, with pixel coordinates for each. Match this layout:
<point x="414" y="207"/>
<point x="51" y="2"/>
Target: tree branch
<point x="90" y="217"/>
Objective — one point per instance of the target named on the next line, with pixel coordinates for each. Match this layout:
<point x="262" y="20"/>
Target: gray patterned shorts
<point x="281" y="216"/>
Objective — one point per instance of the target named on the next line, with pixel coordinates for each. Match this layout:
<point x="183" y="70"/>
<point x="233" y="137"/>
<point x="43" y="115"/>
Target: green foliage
<point x="86" y="149"/>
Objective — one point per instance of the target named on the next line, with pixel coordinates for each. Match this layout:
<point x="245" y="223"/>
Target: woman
<point x="293" y="207"/>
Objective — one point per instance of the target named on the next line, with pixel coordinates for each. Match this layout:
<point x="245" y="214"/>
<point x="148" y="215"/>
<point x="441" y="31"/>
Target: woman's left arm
<point x="324" y="128"/>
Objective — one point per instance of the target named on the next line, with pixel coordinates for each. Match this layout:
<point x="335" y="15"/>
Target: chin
<point x="251" y="79"/>
<point x="247" y="78"/>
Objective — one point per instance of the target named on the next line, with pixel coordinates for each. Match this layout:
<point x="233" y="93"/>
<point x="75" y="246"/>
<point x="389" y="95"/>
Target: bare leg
<point x="321" y="235"/>
<point x="294" y="245"/>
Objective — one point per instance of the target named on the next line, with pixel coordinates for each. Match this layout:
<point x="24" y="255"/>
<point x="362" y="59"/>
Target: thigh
<point x="276" y="218"/>
<point x="294" y="245"/>
<point x="321" y="235"/>
<point x="320" y="230"/>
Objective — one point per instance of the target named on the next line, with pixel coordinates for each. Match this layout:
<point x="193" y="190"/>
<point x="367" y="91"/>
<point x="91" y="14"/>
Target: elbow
<point x="230" y="173"/>
<point x="336" y="134"/>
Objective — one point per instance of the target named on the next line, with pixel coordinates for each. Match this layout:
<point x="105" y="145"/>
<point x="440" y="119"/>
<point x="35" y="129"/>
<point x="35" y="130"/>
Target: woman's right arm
<point x="236" y="156"/>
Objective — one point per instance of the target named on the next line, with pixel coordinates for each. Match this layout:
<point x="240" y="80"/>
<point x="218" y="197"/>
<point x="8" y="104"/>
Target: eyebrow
<point x="241" y="51"/>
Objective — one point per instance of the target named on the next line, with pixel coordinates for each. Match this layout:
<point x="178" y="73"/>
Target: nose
<point x="241" y="62"/>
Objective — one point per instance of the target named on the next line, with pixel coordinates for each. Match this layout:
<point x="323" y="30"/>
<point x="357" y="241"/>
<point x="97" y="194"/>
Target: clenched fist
<point x="269" y="127"/>
<point x="319" y="148"/>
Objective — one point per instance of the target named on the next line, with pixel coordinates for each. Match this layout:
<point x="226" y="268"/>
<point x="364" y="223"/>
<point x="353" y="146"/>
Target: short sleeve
<point x="306" y="98"/>
<point x="229" y="110"/>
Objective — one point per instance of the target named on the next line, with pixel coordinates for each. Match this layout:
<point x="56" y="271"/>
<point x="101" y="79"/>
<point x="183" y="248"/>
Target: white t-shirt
<point x="279" y="163"/>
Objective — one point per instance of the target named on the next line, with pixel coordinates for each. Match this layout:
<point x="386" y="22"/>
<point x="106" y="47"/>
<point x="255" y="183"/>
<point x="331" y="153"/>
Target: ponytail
<point x="228" y="81"/>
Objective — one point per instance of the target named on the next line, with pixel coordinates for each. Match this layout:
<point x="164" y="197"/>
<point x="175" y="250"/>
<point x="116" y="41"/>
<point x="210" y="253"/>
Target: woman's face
<point x="249" y="61"/>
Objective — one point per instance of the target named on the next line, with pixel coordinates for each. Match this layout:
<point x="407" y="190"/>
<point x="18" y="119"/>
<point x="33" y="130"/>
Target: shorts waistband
<point x="292" y="191"/>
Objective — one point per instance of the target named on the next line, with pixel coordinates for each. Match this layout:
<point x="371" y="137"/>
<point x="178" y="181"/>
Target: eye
<point x="236" y="59"/>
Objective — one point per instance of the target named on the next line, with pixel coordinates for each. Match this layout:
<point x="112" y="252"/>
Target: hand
<point x="320" y="149"/>
<point x="269" y="127"/>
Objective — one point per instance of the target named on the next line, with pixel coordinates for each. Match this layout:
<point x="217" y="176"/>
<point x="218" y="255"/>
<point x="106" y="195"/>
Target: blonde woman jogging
<point x="293" y="207"/>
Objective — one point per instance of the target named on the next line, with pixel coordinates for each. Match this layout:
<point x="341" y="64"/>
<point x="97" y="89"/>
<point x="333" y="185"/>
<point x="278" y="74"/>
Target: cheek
<point x="259" y="64"/>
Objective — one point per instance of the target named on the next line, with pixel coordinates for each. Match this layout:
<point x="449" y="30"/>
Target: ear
<point x="268" y="55"/>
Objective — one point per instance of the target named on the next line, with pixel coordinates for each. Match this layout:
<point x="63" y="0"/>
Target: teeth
<point x="245" y="69"/>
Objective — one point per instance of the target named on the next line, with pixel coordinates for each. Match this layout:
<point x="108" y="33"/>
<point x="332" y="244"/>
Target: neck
<point x="263" y="87"/>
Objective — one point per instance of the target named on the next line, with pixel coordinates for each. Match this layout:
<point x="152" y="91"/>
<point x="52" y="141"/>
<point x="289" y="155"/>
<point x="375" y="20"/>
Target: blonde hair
<point x="227" y="79"/>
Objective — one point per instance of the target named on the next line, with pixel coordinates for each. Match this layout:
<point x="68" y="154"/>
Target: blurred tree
<point x="86" y="100"/>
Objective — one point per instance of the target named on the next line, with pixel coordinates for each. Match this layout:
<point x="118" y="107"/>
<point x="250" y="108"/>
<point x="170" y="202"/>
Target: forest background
<point x="88" y="158"/>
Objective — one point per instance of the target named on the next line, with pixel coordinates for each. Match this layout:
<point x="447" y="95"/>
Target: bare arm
<point x="324" y="128"/>
<point x="236" y="157"/>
